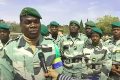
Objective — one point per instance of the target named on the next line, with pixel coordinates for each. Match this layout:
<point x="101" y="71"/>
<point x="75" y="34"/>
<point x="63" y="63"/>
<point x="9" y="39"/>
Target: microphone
<point x="43" y="64"/>
<point x="42" y="60"/>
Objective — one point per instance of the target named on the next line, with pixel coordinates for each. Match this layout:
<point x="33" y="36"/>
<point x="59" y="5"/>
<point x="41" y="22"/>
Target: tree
<point x="105" y="23"/>
<point x="82" y="29"/>
<point x="14" y="27"/>
<point x="66" y="29"/>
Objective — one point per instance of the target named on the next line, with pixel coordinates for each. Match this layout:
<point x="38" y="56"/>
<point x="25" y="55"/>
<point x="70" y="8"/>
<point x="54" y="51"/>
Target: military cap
<point x="74" y="22"/>
<point x="54" y="23"/>
<point x="90" y="24"/>
<point x="115" y="24"/>
<point x="44" y="30"/>
<point x="30" y="11"/>
<point x="4" y="26"/>
<point x="97" y="30"/>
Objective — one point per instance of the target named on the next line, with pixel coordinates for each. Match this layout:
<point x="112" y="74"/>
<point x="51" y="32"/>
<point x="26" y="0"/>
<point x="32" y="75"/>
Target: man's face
<point x="53" y="30"/>
<point x="116" y="32"/>
<point x="4" y="34"/>
<point x="88" y="30"/>
<point x="95" y="37"/>
<point x="30" y="26"/>
<point x="73" y="28"/>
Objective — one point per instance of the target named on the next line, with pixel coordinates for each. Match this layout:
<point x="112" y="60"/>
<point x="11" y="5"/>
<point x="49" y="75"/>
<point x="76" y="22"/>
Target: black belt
<point x="72" y="60"/>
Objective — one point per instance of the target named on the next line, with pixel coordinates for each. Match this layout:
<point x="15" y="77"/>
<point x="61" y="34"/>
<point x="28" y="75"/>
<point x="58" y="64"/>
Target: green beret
<point x="90" y="24"/>
<point x="44" y="30"/>
<point x="115" y="24"/>
<point x="54" y="23"/>
<point x="30" y="11"/>
<point x="74" y="22"/>
<point x="4" y="26"/>
<point x="97" y="30"/>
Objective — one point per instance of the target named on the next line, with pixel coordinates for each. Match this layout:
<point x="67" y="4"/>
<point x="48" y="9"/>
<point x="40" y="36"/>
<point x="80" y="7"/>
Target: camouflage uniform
<point x="97" y="59"/>
<point x="23" y="51"/>
<point x="25" y="62"/>
<point x="98" y="62"/>
<point x="56" y="41"/>
<point x="5" y="67"/>
<point x="53" y="35"/>
<point x="72" y="54"/>
<point x="6" y="70"/>
<point x="58" y="38"/>
<point x="114" y="47"/>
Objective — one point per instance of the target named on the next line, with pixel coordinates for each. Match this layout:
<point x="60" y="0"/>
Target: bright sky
<point x="61" y="11"/>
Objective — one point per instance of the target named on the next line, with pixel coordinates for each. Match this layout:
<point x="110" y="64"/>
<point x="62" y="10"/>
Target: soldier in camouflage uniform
<point x="54" y="26"/>
<point x="4" y="34"/>
<point x="23" y="51"/>
<point x="5" y="68"/>
<point x="88" y="28"/>
<point x="114" y="46"/>
<point x="96" y="57"/>
<point x="71" y="50"/>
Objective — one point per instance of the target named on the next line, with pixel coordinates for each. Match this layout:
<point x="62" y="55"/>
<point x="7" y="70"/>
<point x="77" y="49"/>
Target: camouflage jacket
<point x="6" y="69"/>
<point x="26" y="64"/>
<point x="97" y="60"/>
<point x="114" y="47"/>
<point x="56" y="41"/>
<point x="71" y="51"/>
<point x="71" y="47"/>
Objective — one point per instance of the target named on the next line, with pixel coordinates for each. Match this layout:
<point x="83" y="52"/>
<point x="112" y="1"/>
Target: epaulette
<point x="16" y="39"/>
<point x="47" y="38"/>
<point x="11" y="40"/>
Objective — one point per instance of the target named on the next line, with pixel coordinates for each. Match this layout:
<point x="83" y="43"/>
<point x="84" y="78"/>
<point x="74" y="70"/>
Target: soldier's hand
<point x="52" y="73"/>
<point x="119" y="69"/>
<point x="113" y="67"/>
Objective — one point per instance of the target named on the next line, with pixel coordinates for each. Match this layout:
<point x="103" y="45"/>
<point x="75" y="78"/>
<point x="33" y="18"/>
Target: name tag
<point x="46" y="49"/>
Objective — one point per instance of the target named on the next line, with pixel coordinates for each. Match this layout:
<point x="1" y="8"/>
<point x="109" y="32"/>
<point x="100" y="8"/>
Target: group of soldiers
<point x="74" y="56"/>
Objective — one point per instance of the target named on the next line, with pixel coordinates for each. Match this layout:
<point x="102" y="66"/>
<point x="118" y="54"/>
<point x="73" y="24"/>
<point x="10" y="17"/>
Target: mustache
<point x="33" y="29"/>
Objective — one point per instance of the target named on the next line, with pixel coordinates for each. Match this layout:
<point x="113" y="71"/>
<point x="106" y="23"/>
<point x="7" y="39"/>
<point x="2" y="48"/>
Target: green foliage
<point x="66" y="29"/>
<point x="105" y="23"/>
<point x="14" y="27"/>
<point x="82" y="29"/>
